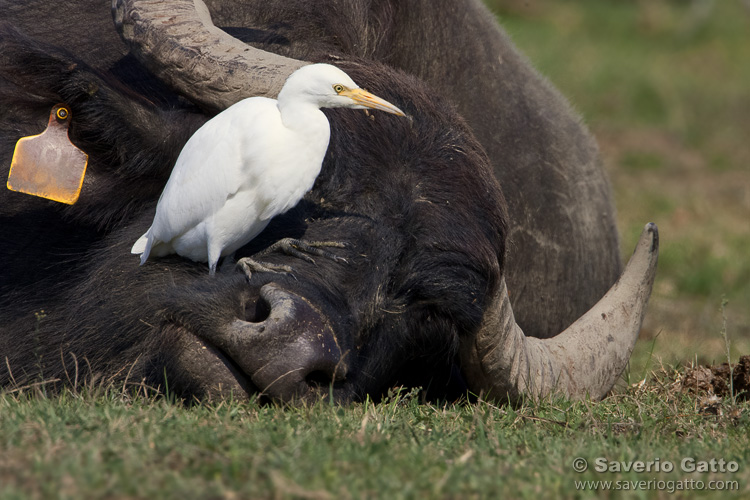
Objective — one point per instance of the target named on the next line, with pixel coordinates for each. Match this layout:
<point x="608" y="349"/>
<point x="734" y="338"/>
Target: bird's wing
<point x="211" y="167"/>
<point x="278" y="205"/>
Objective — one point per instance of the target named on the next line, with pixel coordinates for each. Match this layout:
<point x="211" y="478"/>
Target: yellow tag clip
<point x="49" y="165"/>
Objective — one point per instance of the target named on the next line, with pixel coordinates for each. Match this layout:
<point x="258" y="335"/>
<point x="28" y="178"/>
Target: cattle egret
<point x="249" y="163"/>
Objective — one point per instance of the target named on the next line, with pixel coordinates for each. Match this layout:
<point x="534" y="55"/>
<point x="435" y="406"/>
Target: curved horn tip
<point x="641" y="268"/>
<point x="649" y="238"/>
<point x="584" y="360"/>
<point x="652" y="228"/>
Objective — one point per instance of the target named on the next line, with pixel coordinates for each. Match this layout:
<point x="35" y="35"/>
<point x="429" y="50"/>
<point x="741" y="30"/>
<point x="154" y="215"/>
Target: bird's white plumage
<point x="251" y="162"/>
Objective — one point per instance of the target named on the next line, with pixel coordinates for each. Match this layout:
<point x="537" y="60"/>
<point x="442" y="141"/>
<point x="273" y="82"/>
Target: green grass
<point x="107" y="444"/>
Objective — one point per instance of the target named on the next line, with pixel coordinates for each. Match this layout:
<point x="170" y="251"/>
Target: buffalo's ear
<point x="584" y="360"/>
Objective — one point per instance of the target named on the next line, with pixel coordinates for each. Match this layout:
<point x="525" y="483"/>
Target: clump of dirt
<point x="716" y="379"/>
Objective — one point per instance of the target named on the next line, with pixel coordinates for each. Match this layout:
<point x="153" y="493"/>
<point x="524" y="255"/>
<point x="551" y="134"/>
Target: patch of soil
<point x="715" y="379"/>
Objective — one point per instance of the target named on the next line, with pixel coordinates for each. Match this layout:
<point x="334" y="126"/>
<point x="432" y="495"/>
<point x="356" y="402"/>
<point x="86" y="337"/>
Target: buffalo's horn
<point x="179" y="43"/>
<point x="585" y="359"/>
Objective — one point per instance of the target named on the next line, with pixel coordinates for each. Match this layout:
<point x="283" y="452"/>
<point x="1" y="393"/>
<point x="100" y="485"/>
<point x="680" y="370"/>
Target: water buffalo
<point x="484" y="215"/>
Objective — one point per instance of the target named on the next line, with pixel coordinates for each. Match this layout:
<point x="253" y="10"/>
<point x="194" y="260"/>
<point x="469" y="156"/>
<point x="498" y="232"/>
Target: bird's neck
<point x="301" y="116"/>
<point x="308" y="133"/>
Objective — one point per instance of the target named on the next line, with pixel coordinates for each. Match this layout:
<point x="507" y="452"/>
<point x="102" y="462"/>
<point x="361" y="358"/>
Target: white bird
<point x="249" y="163"/>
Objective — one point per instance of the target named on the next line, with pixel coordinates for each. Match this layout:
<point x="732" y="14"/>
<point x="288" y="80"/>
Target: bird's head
<point x="327" y="86"/>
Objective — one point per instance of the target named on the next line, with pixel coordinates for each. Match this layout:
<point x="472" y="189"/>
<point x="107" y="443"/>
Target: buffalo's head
<point x="420" y="300"/>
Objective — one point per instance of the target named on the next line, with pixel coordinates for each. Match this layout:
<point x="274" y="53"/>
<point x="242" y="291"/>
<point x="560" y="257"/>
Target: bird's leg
<point x="227" y="264"/>
<point x="295" y="248"/>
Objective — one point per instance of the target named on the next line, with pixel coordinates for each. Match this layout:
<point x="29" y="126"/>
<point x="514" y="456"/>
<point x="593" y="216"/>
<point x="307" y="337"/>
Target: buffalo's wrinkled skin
<point x="416" y="202"/>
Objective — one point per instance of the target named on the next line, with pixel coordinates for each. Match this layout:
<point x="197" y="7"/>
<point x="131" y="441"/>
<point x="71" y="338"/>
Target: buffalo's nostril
<point x="257" y="309"/>
<point x="310" y="363"/>
<point x="285" y="344"/>
<point x="324" y="367"/>
<point x="323" y="378"/>
<point x="304" y="367"/>
<point x="318" y="379"/>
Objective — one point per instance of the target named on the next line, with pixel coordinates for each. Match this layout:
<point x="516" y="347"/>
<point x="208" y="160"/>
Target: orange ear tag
<point x="49" y="165"/>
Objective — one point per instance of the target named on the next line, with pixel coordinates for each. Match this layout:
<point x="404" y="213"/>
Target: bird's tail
<point x="142" y="247"/>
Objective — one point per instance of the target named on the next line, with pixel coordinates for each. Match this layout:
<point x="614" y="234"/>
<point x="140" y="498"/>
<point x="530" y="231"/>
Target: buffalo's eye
<point x="338" y="88"/>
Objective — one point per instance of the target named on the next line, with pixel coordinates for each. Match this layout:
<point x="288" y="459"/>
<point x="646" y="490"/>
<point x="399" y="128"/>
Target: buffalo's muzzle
<point x="285" y="345"/>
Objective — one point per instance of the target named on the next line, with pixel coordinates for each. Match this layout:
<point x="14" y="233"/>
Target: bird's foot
<point x="303" y="249"/>
<point x="249" y="266"/>
<point x="294" y="247"/>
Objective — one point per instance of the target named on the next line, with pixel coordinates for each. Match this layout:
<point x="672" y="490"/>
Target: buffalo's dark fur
<point x="545" y="160"/>
<point x="388" y="189"/>
<point x="415" y="199"/>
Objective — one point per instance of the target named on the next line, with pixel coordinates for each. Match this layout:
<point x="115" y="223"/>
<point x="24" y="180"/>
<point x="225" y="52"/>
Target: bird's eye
<point x="338" y="88"/>
<point x="62" y="113"/>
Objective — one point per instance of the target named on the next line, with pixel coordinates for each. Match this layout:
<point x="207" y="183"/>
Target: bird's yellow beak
<point x="368" y="100"/>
